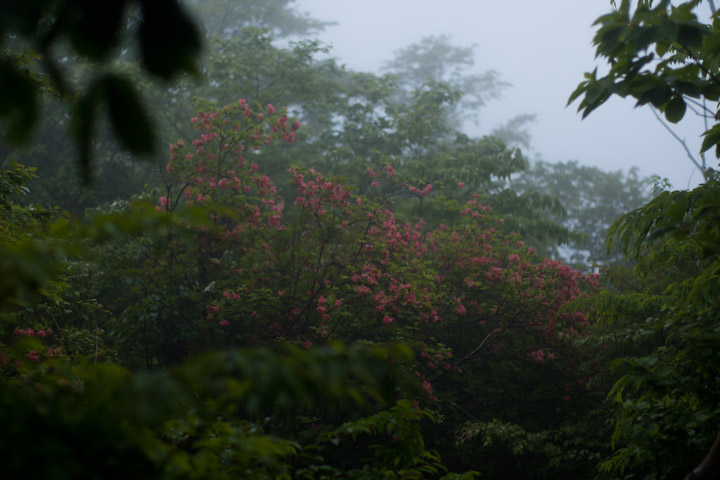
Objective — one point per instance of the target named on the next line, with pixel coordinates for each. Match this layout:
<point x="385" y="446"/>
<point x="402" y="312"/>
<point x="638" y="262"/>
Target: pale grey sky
<point x="542" y="48"/>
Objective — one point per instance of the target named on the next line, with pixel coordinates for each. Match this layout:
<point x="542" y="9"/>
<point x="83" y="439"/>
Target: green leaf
<point x="18" y="104"/>
<point x="690" y="89"/>
<point x="642" y="38"/>
<point x="130" y="121"/>
<point x="609" y="35"/>
<point x="95" y="27"/>
<point x="82" y="128"/>
<point x="710" y="91"/>
<point x="690" y="36"/>
<point x="675" y="109"/>
<point x="658" y="96"/>
<point x="669" y="29"/>
<point x="169" y="40"/>
<point x="712" y="138"/>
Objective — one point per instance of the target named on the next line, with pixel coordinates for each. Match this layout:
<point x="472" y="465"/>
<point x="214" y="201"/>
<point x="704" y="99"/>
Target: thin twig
<point x="463" y="411"/>
<point x="682" y="142"/>
<point x="707" y="127"/>
<point x="465" y="358"/>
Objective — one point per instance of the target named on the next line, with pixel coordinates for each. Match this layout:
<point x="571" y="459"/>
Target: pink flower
<point x="270" y="109"/>
<point x="390" y="170"/>
<point x="54" y="352"/>
<point x="41" y="333"/>
<point x="223" y="323"/>
<point x="514" y="257"/>
<point x="460" y="185"/>
<point x="461" y="309"/>
<point x="33" y="355"/>
<point x="428" y="390"/>
<point x="387" y="320"/>
<point x="370" y="172"/>
<point x="24" y="333"/>
<point x="374" y="184"/>
<point x="538" y="356"/>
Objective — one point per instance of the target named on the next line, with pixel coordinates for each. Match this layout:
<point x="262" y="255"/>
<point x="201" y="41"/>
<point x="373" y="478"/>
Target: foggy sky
<point x="542" y="48"/>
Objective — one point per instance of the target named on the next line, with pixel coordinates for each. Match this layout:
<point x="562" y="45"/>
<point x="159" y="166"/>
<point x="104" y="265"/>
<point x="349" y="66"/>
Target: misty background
<point x="516" y="39"/>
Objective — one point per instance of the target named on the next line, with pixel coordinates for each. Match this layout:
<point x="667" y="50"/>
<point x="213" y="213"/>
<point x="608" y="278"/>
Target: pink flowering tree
<point x="477" y="305"/>
<point x="491" y="323"/>
<point x="343" y="266"/>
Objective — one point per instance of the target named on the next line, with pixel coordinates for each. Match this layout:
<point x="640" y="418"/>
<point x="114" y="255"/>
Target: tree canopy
<point x="323" y="275"/>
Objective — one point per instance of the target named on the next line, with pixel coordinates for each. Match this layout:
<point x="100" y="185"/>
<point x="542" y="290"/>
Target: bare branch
<point x="682" y="142"/>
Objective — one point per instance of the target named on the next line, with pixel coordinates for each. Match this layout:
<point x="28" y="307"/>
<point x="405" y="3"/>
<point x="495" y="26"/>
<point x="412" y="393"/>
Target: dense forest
<point x="225" y="255"/>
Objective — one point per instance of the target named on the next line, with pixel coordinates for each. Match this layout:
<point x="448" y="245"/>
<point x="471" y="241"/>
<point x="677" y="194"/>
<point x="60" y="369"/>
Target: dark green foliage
<point x="19" y="109"/>
<point x="28" y="261"/>
<point x="224" y="415"/>
<point x="666" y="331"/>
<point x="661" y="319"/>
<point x="169" y="44"/>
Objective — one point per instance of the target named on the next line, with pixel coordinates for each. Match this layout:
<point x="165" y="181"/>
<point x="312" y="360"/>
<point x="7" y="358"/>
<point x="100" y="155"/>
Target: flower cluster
<point x="344" y="266"/>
